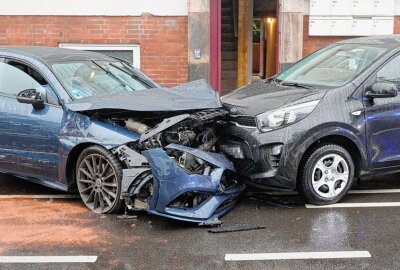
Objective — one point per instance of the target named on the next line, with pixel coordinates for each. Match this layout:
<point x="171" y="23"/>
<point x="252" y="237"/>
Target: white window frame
<point x="135" y="48"/>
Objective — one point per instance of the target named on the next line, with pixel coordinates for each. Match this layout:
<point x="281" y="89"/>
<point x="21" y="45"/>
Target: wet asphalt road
<point x="44" y="227"/>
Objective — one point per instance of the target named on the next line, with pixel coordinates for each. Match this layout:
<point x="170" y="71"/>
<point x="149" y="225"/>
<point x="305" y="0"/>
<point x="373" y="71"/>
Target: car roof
<point x="50" y="55"/>
<point x="388" y="41"/>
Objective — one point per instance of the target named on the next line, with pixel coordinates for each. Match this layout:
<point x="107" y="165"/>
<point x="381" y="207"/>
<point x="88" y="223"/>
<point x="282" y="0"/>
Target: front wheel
<point x="327" y="175"/>
<point x="98" y="177"/>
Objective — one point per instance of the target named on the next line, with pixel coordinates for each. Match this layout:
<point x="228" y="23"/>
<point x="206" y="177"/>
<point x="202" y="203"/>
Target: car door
<point x="29" y="138"/>
<point x="383" y="119"/>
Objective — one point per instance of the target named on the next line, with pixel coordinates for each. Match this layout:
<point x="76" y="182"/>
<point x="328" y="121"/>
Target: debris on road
<point x="236" y="228"/>
<point x="126" y="216"/>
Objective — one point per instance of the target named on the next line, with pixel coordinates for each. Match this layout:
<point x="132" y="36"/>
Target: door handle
<point x="356" y="113"/>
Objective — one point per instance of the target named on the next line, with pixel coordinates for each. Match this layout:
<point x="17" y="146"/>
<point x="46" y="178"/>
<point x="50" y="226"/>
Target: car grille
<point x="244" y="120"/>
<point x="244" y="166"/>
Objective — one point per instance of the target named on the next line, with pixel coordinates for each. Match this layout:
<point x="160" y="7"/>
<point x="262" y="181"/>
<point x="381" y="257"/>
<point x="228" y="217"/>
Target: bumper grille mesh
<point x="243" y="120"/>
<point x="244" y="166"/>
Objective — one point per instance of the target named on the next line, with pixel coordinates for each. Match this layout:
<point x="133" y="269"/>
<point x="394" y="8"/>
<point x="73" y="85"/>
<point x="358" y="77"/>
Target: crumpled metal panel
<point x="170" y="181"/>
<point x="195" y="95"/>
<point x="216" y="159"/>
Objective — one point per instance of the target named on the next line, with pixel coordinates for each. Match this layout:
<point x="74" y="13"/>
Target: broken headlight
<point x="282" y="117"/>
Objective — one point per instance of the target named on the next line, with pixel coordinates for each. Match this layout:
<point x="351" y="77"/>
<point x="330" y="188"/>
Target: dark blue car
<point x="321" y="124"/>
<point x="82" y="121"/>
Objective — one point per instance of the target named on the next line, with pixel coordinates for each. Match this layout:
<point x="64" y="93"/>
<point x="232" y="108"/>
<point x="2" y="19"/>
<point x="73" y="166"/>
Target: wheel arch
<point x="71" y="163"/>
<point x="347" y="142"/>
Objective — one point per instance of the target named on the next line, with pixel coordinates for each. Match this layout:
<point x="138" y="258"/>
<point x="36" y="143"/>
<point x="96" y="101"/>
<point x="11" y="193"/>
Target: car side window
<point x="390" y="72"/>
<point x="14" y="80"/>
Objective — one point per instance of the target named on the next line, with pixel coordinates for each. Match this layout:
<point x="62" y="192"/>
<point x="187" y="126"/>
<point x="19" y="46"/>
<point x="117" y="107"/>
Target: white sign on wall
<point x="331" y="26"/>
<point x="352" y="17"/>
<point x="372" y="8"/>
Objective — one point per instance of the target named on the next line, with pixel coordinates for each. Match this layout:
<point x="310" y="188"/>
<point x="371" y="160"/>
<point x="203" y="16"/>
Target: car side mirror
<point x="31" y="96"/>
<point x="382" y="90"/>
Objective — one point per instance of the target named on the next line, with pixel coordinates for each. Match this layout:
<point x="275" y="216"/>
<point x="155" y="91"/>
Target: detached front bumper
<point x="177" y="194"/>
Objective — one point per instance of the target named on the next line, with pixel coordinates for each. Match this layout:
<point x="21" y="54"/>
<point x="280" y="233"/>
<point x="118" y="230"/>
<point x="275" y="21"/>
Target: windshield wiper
<point x="134" y="75"/>
<point x="295" y="84"/>
<point x="108" y="71"/>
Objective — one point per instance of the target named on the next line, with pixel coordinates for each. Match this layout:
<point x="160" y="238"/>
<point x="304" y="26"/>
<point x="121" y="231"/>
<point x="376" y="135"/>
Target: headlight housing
<point x="284" y="116"/>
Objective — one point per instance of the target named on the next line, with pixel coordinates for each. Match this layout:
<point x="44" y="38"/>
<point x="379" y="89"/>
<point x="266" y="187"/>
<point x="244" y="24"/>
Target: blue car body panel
<point x="171" y="181"/>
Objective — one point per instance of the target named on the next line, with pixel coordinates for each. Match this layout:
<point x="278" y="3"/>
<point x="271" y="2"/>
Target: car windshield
<point x="98" y="78"/>
<point x="332" y="66"/>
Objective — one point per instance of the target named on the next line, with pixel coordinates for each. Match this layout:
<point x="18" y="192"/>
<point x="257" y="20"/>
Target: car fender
<point x="296" y="152"/>
<point x="78" y="129"/>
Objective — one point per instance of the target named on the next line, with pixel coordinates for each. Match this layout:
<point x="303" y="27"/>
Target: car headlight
<point x="284" y="116"/>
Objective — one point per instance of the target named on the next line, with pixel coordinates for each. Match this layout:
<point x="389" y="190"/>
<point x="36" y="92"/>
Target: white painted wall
<point x="94" y="7"/>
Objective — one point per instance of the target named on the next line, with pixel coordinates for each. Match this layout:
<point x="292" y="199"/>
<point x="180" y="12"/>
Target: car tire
<point x="327" y="175"/>
<point x="98" y="178"/>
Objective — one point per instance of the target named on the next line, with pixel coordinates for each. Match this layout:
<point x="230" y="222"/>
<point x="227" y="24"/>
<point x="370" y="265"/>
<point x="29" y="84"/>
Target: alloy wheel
<point x="330" y="176"/>
<point x="97" y="183"/>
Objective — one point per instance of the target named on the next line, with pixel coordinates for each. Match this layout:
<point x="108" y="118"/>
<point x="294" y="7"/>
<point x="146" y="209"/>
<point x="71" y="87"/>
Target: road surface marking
<point x="48" y="259"/>
<point x="356" y="205"/>
<point x="297" y="256"/>
<point x="359" y="191"/>
<point x="374" y="191"/>
<point x="55" y="196"/>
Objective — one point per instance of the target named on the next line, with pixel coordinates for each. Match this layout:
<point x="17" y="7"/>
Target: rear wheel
<point x="98" y="177"/>
<point x="327" y="175"/>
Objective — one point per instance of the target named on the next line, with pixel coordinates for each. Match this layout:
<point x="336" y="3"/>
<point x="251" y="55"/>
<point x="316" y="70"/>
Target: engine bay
<point x="196" y="130"/>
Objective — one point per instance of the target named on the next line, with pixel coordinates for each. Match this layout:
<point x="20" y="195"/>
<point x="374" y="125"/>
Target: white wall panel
<point x="397" y="7"/>
<point x="321" y="7"/>
<point x="384" y="7"/>
<point x="363" y="7"/>
<point x="382" y="26"/>
<point x="352" y="17"/>
<point x="361" y="27"/>
<point x="342" y="7"/>
<point x="341" y="26"/>
<point x="94" y="7"/>
<point x="320" y="26"/>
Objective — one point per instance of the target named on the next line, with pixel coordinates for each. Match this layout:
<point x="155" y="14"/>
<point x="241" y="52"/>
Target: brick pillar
<point x="199" y="39"/>
<point x="291" y="32"/>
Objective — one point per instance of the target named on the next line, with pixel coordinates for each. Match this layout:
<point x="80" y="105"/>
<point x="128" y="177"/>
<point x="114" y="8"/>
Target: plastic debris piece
<point x="236" y="228"/>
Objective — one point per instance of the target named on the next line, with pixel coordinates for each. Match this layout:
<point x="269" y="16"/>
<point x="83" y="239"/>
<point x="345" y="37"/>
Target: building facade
<point x="153" y="35"/>
<point x="229" y="43"/>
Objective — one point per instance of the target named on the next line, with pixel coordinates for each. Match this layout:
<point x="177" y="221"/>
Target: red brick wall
<point x="163" y="40"/>
<point x="397" y="24"/>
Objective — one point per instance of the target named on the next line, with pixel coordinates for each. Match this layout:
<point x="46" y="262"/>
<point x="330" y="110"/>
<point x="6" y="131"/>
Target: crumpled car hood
<point x="197" y="95"/>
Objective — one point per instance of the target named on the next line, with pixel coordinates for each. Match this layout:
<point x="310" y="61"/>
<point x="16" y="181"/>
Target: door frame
<point x="215" y="42"/>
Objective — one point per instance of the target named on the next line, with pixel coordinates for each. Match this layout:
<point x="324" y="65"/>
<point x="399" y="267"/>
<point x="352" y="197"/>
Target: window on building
<point x="256" y="31"/>
<point x="130" y="53"/>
